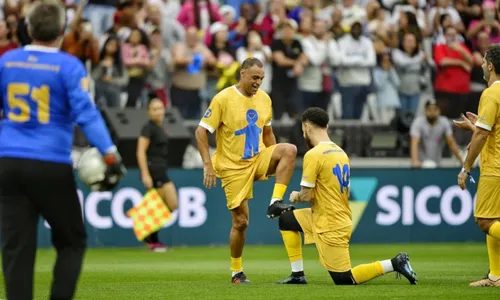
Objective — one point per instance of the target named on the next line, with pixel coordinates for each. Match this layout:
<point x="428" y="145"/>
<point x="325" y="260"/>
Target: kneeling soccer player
<point x="328" y="223"/>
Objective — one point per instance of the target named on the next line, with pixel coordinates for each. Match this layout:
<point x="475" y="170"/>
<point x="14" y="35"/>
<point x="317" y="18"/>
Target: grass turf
<point x="444" y="271"/>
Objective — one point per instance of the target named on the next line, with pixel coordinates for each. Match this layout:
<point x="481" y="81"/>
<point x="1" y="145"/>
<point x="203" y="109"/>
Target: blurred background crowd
<point x="364" y="60"/>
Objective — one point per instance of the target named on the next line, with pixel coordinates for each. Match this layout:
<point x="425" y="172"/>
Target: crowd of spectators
<point x="184" y="52"/>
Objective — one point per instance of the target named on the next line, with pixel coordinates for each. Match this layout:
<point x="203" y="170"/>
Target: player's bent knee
<point x="290" y="150"/>
<point x="484" y="224"/>
<point x="240" y="223"/>
<point x="342" y="278"/>
<point x="288" y="222"/>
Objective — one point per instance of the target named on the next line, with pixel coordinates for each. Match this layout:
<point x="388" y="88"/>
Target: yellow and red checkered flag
<point x="150" y="215"/>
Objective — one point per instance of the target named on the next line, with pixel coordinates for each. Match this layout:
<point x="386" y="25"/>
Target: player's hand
<point x="472" y="117"/>
<point x="462" y="177"/>
<point x="294" y="197"/>
<point x="467" y="122"/>
<point x="147" y="181"/>
<point x="209" y="179"/>
<point x="115" y="171"/>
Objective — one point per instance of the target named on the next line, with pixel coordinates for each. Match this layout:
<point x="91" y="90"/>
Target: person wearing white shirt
<point x="413" y="7"/>
<point x="355" y="62"/>
<point x="169" y="8"/>
<point x="315" y="47"/>
<point x="444" y="7"/>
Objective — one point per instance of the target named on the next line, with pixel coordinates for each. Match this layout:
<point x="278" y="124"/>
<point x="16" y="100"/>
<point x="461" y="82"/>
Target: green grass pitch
<point x="444" y="270"/>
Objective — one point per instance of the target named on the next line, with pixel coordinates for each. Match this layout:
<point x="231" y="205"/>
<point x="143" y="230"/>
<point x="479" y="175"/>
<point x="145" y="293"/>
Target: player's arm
<point x="308" y="182"/>
<point x="267" y="134"/>
<point x="452" y="144"/>
<point x="83" y="110"/>
<point x="487" y="115"/>
<point x="209" y="123"/>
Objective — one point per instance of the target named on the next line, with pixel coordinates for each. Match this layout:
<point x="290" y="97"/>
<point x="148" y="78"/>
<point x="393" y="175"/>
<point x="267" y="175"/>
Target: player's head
<point x="46" y="21"/>
<point x="314" y="120"/>
<point x="491" y="62"/>
<point x="156" y="110"/>
<point x="432" y="111"/>
<point x="251" y="75"/>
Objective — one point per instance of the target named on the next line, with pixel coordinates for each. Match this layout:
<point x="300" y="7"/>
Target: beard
<point x="431" y="119"/>
<point x="308" y="143"/>
<point x="486" y="75"/>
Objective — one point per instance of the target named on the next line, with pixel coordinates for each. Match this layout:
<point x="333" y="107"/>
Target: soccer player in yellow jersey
<point x="486" y="140"/>
<point x="246" y="151"/>
<point x="328" y="223"/>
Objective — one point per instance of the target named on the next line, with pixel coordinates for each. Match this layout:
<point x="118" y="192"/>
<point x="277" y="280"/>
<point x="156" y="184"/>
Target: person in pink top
<point x="199" y="13"/>
<point x="136" y="59"/>
<point x="489" y="24"/>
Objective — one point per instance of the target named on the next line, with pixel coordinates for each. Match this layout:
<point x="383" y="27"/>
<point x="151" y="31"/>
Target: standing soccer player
<point x="486" y="140"/>
<point x="246" y="152"/>
<point x="43" y="93"/>
<point x="328" y="223"/>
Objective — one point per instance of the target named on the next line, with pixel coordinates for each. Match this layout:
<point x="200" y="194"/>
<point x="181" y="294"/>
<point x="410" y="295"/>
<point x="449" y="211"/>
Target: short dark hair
<point x="46" y="20"/>
<point x="316" y="116"/>
<point x="493" y="57"/>
<point x="250" y="62"/>
<point x="430" y="103"/>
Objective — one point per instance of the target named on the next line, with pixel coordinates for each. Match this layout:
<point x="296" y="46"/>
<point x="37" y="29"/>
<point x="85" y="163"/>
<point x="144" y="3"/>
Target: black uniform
<point x="157" y="152"/>
<point x="157" y="160"/>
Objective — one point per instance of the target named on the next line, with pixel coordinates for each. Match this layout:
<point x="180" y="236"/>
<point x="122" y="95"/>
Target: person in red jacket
<point x="452" y="84"/>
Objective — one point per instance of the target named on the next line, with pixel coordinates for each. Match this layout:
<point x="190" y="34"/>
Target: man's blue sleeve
<point x="83" y="110"/>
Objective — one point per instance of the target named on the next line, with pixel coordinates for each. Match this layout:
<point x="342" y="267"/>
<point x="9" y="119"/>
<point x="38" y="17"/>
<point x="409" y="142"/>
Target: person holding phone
<point x="152" y="151"/>
<point x="81" y="43"/>
<point x="488" y="24"/>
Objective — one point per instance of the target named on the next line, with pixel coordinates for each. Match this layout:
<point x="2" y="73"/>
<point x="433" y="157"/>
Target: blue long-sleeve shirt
<point x="43" y="93"/>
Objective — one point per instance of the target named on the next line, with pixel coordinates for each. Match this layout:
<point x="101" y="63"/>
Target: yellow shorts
<point x="333" y="246"/>
<point x="488" y="198"/>
<point x="238" y="184"/>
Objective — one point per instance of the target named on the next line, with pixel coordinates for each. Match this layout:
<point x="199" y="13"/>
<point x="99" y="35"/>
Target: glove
<point x="114" y="172"/>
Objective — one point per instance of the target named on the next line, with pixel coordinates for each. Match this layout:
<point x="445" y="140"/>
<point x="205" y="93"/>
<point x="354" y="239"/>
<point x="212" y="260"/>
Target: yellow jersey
<point x="488" y="119"/>
<point x="238" y="122"/>
<point x="326" y="170"/>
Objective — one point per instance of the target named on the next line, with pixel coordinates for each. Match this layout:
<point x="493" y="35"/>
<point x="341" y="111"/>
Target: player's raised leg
<point x="290" y="231"/>
<point x="237" y="241"/>
<point x="282" y="165"/>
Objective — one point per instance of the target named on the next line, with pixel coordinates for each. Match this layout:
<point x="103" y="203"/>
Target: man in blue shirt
<point x="43" y="93"/>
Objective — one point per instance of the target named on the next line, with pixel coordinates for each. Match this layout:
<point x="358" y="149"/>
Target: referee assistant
<point x="152" y="150"/>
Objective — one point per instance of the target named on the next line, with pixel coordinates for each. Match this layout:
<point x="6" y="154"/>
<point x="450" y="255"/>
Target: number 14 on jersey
<point x="343" y="175"/>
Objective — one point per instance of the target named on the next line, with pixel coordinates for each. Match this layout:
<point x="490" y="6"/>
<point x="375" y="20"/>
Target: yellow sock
<point x="363" y="273"/>
<point x="495" y="230"/>
<point x="236" y="265"/>
<point x="279" y="191"/>
<point x="494" y="255"/>
<point x="293" y="245"/>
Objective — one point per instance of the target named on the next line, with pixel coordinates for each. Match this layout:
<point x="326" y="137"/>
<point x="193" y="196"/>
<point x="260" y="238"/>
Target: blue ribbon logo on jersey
<point x="251" y="133"/>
